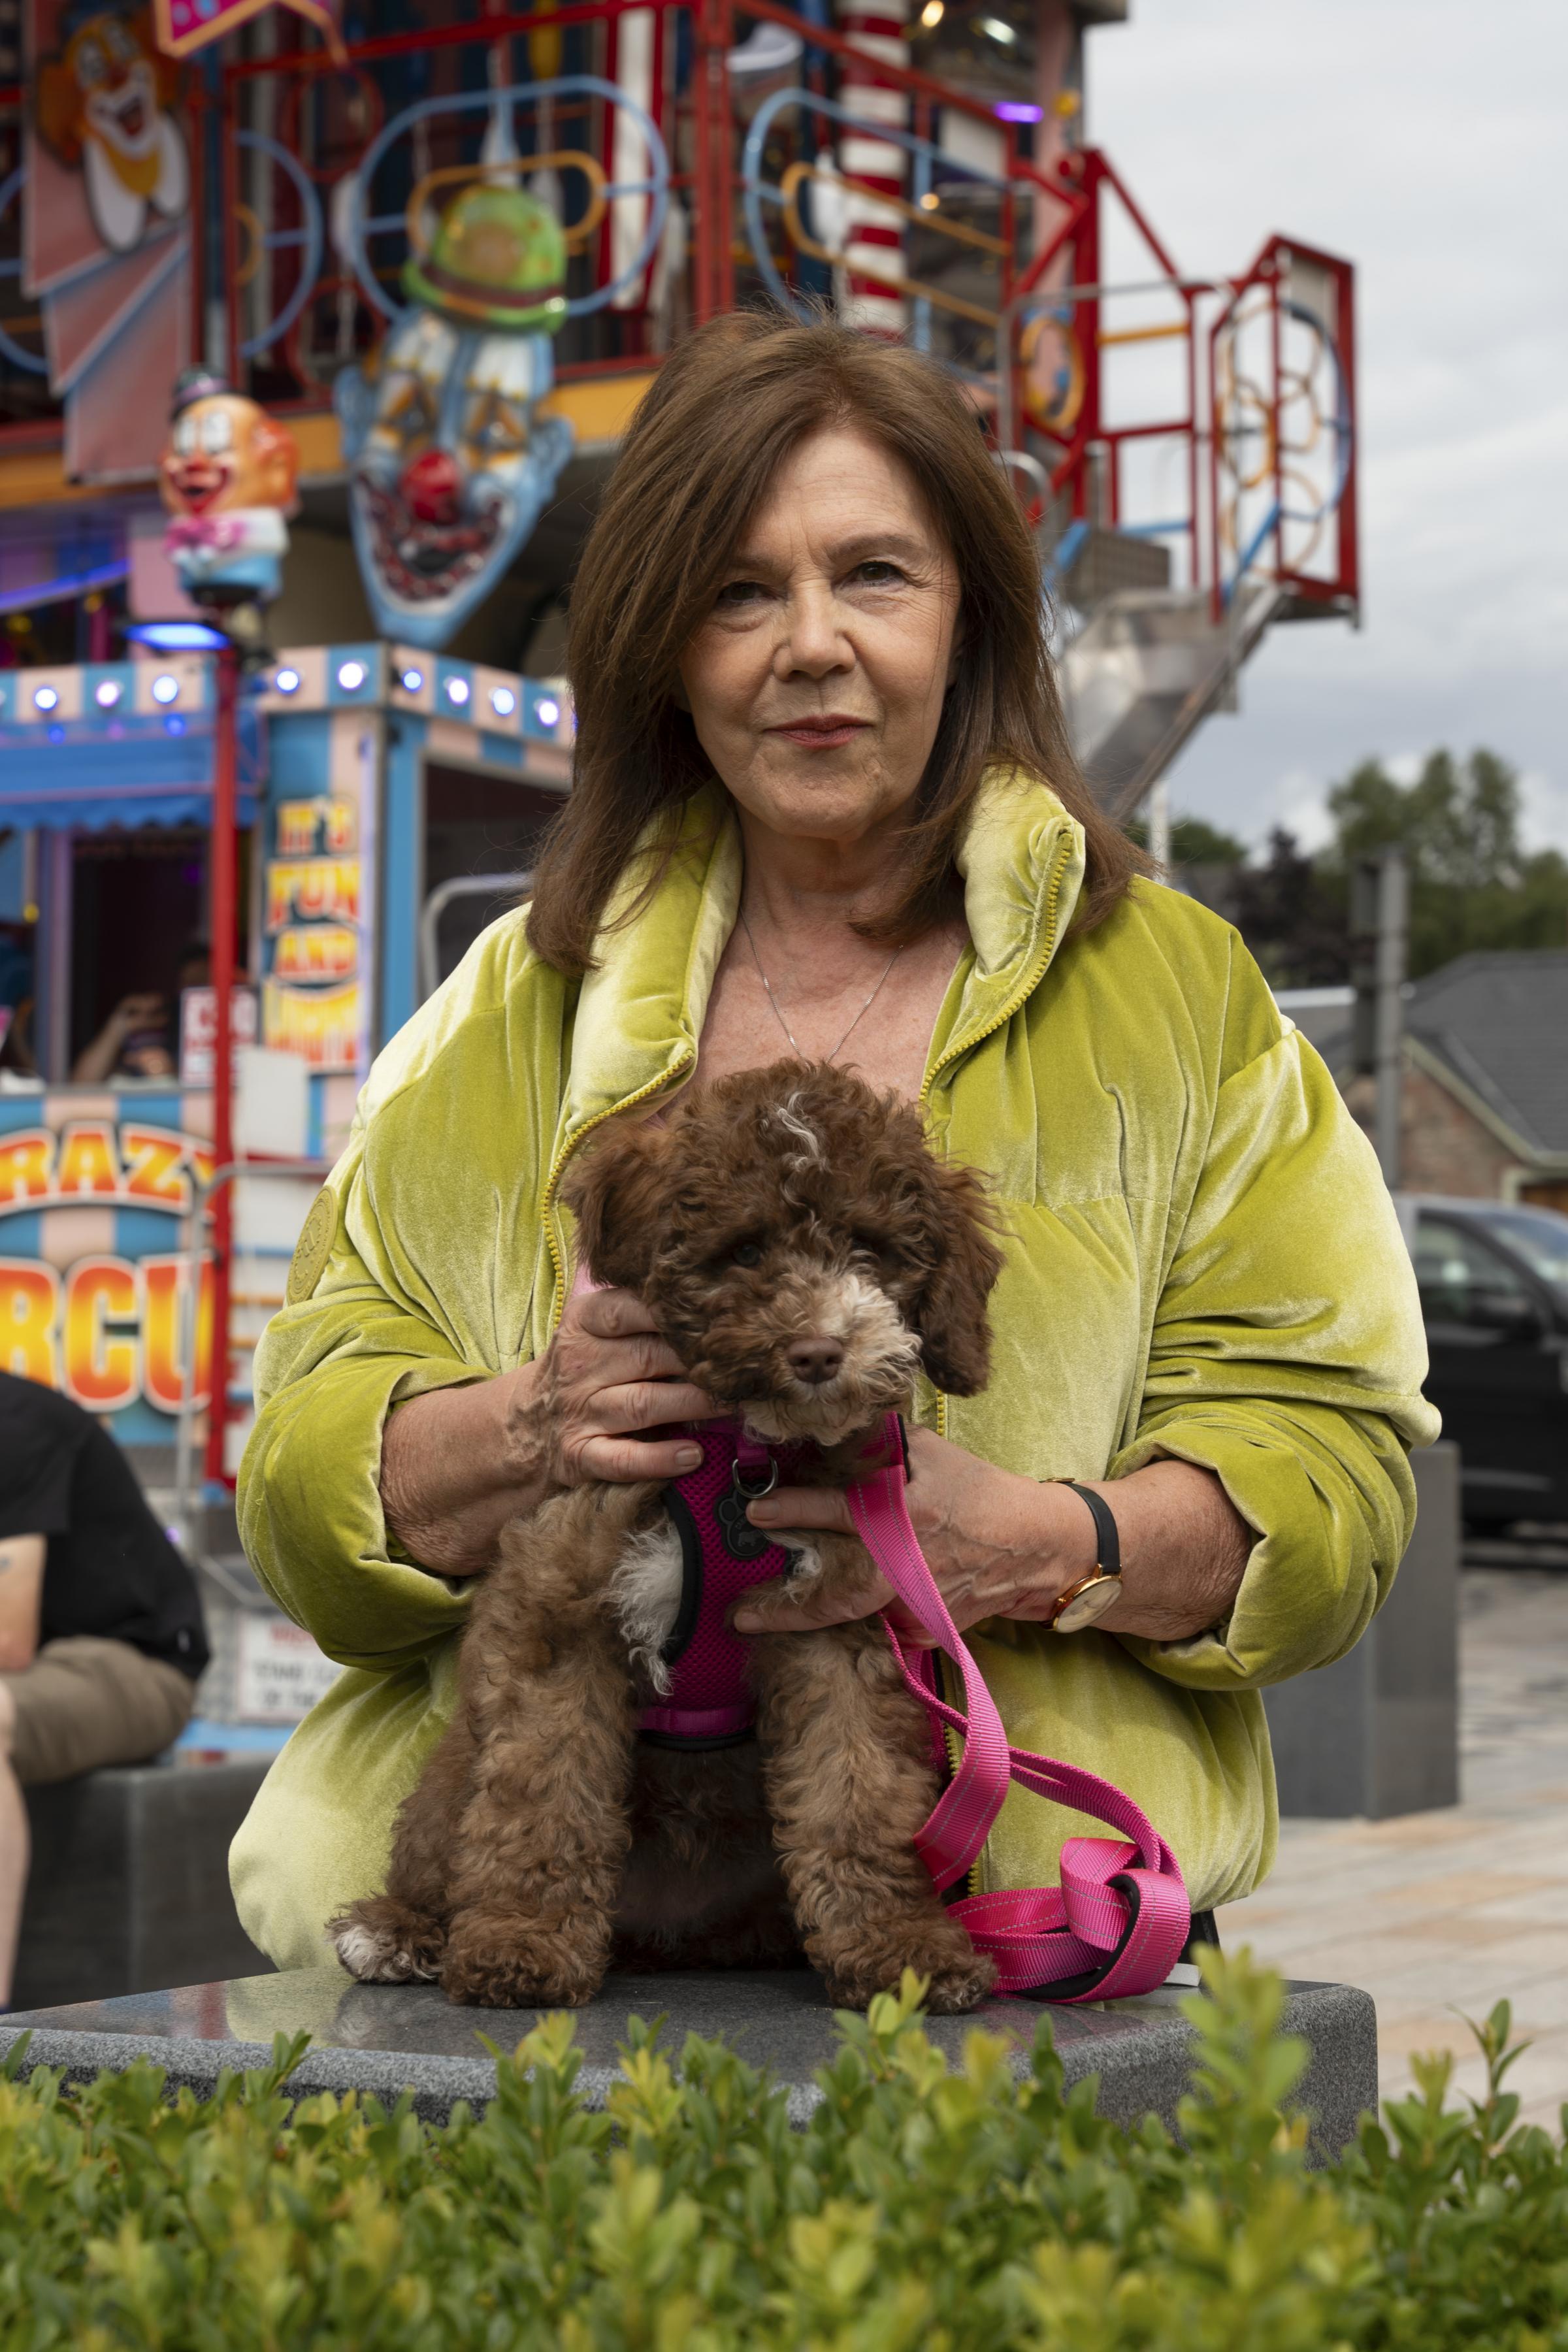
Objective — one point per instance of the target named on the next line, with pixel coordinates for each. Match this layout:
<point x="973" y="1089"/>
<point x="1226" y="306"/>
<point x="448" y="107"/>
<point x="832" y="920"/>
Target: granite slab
<point x="129" y="1884"/>
<point x="381" y="2039"/>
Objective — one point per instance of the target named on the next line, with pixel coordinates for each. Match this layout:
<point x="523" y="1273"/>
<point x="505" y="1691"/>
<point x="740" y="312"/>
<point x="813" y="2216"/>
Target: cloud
<point x="1424" y="143"/>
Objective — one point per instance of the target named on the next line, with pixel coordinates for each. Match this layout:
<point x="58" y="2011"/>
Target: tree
<point x="1472" y="883"/>
<point x="1195" y="841"/>
<point x="1290" y="918"/>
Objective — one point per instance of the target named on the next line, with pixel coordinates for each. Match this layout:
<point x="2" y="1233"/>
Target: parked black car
<point x="1494" y="1291"/>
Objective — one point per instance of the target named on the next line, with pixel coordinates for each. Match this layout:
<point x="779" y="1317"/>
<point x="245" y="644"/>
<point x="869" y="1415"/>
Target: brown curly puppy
<point x="802" y="1253"/>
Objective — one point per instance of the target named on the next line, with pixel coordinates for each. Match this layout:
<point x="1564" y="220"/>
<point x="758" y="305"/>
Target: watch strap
<point x="1110" y="1541"/>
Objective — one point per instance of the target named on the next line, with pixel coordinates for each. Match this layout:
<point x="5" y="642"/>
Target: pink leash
<point x="1121" y="1917"/>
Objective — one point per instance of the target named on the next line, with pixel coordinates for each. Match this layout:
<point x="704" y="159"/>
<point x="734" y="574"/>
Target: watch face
<point x="1091" y="1604"/>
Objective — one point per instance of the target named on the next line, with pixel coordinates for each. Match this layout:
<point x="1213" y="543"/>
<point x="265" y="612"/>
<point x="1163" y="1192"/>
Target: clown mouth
<point x="199" y="480"/>
<point x="424" y="563"/>
<point x="123" y="117"/>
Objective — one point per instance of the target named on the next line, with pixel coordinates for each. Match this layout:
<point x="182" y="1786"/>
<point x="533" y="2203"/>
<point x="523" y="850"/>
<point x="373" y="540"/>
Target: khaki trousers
<point x="84" y="1703"/>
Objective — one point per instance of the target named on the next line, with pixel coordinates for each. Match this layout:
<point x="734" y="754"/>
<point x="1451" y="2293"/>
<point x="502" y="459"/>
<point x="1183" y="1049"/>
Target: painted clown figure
<point x="228" y="480"/>
<point x="451" y="462"/>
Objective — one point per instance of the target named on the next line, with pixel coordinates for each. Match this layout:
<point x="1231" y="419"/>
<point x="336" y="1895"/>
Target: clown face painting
<point x="451" y="462"/>
<point x="102" y="108"/>
<point x="227" y="477"/>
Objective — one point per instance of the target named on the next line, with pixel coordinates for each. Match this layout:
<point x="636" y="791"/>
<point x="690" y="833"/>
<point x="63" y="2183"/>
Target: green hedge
<point x="921" y="2207"/>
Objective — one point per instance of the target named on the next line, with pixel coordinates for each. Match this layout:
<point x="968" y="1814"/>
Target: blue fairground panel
<point x="391" y="799"/>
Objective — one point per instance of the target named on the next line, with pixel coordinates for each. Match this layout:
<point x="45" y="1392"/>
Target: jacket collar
<point x="640" y="1013"/>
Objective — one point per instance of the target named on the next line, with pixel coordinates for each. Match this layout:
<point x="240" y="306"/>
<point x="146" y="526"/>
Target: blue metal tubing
<point x="311" y="236"/>
<point x="30" y="362"/>
<point x="73" y="584"/>
<point x="756" y="187"/>
<point x="589" y="85"/>
<point x="1279" y="512"/>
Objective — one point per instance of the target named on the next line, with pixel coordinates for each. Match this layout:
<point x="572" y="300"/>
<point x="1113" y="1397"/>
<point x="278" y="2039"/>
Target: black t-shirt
<point x="109" y="1569"/>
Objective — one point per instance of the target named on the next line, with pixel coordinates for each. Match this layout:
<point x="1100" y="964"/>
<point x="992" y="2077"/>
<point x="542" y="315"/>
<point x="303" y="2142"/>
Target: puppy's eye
<point x="747" y="1253"/>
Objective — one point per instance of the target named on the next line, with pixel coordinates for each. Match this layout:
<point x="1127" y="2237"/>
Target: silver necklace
<point x="778" y="1010"/>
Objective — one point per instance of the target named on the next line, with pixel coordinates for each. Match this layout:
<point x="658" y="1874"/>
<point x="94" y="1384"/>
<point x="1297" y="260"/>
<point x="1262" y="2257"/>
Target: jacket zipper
<point x="1037" y="973"/>
<point x="558" y="1263"/>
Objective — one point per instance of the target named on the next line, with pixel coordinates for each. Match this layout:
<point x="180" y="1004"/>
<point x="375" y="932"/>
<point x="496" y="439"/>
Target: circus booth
<point x="382" y="807"/>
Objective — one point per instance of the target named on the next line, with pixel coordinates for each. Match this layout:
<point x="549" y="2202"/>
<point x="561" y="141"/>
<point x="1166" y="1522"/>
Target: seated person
<point x="100" y="1625"/>
<point x="141" y="1038"/>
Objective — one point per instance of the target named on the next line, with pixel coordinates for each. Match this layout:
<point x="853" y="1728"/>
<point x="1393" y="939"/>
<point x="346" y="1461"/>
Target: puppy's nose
<point x="815" y="1359"/>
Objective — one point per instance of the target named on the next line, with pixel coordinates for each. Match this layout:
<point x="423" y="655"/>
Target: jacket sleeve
<point x="1287" y="1356"/>
<point x="330" y="1367"/>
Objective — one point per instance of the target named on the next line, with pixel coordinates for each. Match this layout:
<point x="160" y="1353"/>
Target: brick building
<point x="1485" y="1110"/>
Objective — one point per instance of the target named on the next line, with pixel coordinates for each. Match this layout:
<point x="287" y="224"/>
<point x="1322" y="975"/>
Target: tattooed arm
<point x="21" y="1594"/>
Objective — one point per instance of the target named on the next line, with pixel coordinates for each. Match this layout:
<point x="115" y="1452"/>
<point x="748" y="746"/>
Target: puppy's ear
<point x="613" y="1190"/>
<point x="948" y="1312"/>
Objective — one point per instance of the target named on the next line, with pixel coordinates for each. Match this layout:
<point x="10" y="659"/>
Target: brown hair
<point x="725" y="408"/>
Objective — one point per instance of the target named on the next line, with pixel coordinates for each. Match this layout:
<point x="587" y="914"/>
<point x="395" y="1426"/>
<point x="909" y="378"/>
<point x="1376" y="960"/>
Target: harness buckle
<point x="742" y="1540"/>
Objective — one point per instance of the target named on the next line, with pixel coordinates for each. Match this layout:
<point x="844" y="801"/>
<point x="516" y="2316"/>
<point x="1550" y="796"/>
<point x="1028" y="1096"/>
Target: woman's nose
<point x="813" y="641"/>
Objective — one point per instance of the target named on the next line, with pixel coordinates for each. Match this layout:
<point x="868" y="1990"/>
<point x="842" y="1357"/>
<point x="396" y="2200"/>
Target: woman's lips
<point x="824" y="734"/>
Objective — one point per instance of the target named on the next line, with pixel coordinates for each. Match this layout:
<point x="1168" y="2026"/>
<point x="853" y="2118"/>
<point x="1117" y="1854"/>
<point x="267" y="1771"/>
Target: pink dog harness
<point x="1120" y="1918"/>
<point x="708" y="1704"/>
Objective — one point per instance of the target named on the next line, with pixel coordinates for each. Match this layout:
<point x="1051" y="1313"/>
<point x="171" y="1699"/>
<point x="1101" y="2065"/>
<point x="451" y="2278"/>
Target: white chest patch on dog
<point x="645" y="1594"/>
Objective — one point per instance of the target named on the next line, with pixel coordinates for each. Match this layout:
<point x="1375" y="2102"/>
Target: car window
<point x="1540" y="1238"/>
<point x="1462" y="1280"/>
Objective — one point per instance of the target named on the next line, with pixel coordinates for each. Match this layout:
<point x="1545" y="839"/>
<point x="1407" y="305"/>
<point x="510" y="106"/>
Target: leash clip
<point x="741" y="1539"/>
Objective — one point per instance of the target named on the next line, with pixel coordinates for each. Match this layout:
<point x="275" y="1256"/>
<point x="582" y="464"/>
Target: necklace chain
<point x="778" y="1010"/>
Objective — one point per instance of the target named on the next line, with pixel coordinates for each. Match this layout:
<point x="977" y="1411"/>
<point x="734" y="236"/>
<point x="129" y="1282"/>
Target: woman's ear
<point x="613" y="1192"/>
<point x="950" y="1311"/>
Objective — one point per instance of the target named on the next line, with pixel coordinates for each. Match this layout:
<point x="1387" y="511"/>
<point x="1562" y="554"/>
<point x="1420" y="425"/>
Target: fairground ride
<point x="1184" y="445"/>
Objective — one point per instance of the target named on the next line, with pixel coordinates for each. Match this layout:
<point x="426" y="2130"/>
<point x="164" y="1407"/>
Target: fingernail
<point x="744" y="1623"/>
<point x="688" y="1457"/>
<point x="763" y="1515"/>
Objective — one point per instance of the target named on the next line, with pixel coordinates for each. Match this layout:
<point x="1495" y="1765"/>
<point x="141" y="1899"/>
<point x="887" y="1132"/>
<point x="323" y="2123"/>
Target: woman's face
<point x="816" y="684"/>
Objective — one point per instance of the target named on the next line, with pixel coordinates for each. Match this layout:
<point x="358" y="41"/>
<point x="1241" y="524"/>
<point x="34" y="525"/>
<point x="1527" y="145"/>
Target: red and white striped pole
<point x="874" y="234"/>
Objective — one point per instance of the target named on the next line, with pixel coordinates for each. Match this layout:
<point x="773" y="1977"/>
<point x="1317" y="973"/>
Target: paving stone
<point x="1441" y="1912"/>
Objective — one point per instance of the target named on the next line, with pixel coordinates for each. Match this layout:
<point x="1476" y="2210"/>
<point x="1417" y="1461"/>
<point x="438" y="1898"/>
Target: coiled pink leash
<point x="1120" y="1919"/>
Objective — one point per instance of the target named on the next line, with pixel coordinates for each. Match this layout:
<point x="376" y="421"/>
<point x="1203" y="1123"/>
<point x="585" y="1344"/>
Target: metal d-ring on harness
<point x="741" y="1539"/>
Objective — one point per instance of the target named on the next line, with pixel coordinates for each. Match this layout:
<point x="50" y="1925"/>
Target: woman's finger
<point x="803" y="1506"/>
<point x="610" y="1314"/>
<point x="623" y="1461"/>
<point x="649" y="1404"/>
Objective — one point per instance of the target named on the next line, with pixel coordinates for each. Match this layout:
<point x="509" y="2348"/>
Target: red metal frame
<point x="701" y="124"/>
<point x="1341" y="589"/>
<point x="223" y="884"/>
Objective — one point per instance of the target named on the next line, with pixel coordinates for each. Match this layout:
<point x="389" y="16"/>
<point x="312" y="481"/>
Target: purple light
<point x="1016" y="109"/>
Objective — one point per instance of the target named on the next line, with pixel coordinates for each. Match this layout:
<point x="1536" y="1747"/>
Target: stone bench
<point x="127" y="1888"/>
<point x="383" y="2039"/>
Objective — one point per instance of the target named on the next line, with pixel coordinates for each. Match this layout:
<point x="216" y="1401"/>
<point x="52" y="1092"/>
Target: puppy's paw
<point x="957" y="1975"/>
<point x="501" y="1964"/>
<point x="382" y="1941"/>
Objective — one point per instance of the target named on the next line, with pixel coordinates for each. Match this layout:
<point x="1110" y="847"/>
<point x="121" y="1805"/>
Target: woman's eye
<point x="876" y="574"/>
<point x="747" y="1253"/>
<point x="737" y="593"/>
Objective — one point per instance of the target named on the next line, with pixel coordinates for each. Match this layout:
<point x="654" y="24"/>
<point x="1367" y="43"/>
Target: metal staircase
<point x="1143" y="668"/>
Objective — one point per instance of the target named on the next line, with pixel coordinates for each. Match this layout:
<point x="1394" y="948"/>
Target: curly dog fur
<point x="802" y="1253"/>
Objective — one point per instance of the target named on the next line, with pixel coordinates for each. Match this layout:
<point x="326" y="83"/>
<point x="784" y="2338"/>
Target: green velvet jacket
<point x="1202" y="1262"/>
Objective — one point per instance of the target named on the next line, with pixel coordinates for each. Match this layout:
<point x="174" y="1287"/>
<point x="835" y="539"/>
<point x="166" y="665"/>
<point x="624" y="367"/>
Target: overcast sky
<point x="1428" y="140"/>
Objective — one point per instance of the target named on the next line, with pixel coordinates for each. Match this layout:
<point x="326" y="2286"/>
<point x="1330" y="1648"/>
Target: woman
<point x="824" y="803"/>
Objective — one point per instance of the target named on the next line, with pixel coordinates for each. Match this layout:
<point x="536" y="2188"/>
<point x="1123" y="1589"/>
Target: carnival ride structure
<point x="1184" y="446"/>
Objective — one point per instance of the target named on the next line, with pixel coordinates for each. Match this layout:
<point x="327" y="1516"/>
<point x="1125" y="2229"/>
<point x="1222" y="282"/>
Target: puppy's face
<point x="798" y="1247"/>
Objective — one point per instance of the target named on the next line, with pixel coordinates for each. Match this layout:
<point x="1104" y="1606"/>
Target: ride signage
<point x="93" y="1281"/>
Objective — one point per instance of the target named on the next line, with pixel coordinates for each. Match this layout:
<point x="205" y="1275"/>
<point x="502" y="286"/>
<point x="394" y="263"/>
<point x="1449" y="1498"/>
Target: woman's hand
<point x="1002" y="1546"/>
<point x="457" y="1464"/>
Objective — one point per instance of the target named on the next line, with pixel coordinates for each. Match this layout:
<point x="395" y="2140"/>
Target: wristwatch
<point x="1085" y="1602"/>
